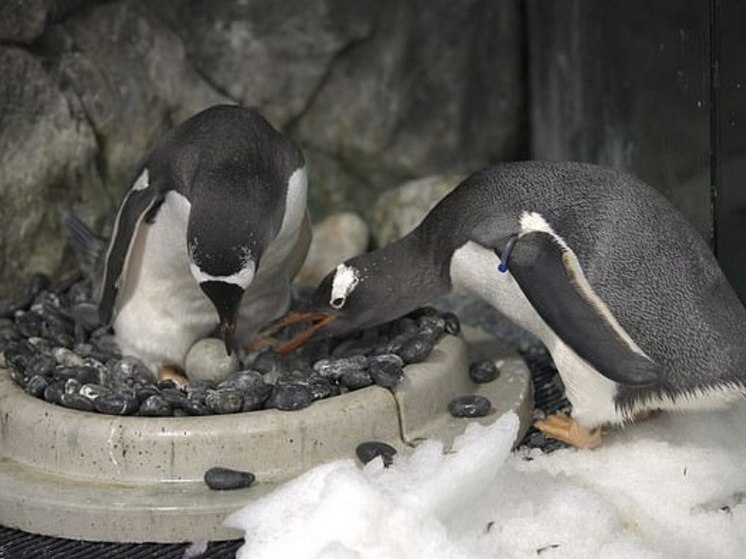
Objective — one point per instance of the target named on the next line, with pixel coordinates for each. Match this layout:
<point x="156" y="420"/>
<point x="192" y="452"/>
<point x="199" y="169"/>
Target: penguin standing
<point x="626" y="296"/>
<point x="211" y="232"/>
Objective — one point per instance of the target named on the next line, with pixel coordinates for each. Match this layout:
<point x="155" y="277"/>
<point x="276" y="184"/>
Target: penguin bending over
<point x="626" y="296"/>
<point x="211" y="232"/>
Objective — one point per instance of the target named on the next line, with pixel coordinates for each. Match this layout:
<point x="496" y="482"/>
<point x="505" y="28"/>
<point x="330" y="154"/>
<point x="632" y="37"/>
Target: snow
<point x="669" y="487"/>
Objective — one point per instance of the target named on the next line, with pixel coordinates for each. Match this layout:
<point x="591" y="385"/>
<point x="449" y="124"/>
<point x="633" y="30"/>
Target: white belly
<point x="474" y="270"/>
<point x="161" y="310"/>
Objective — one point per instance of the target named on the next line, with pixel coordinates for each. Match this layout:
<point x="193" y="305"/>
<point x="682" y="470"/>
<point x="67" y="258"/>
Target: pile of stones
<point x="55" y="350"/>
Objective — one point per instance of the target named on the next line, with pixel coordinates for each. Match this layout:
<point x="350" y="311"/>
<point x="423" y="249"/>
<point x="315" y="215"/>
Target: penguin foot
<point x="562" y="427"/>
<point x="260" y="343"/>
<point x="318" y="321"/>
<point x="174" y="373"/>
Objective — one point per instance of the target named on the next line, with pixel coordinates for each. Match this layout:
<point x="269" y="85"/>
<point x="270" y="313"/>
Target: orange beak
<point x="318" y="321"/>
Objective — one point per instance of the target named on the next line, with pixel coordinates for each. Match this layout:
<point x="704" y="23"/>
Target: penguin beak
<point x="228" y="333"/>
<point x="226" y="298"/>
<point x="319" y="320"/>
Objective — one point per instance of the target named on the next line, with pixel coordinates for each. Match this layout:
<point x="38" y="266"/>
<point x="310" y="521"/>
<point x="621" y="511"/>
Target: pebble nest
<point x="56" y="351"/>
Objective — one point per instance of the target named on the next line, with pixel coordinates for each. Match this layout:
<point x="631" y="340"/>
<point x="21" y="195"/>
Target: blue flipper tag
<point x="503" y="266"/>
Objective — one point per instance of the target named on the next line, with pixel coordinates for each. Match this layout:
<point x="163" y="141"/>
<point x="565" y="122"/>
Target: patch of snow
<point x="673" y="486"/>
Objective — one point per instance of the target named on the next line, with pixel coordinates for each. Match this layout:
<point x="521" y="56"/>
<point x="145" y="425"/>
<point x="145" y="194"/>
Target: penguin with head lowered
<point x="211" y="233"/>
<point x="626" y="296"/>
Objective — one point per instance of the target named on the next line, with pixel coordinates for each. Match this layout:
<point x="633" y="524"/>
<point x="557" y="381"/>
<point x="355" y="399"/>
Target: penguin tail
<point x="89" y="248"/>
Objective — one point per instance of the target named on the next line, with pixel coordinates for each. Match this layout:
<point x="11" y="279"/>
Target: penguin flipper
<point x="88" y="247"/>
<point x="550" y="276"/>
<point x="139" y="204"/>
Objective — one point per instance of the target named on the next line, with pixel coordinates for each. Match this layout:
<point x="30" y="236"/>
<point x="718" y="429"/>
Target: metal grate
<point x="15" y="544"/>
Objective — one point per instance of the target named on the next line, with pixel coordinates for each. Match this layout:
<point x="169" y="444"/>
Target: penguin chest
<point x="161" y="310"/>
<point x="473" y="270"/>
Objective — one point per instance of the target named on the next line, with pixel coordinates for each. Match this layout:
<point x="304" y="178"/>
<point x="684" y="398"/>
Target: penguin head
<point x="349" y="298"/>
<point x="223" y="272"/>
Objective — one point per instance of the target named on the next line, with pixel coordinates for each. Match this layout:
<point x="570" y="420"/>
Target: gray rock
<point x="22" y="21"/>
<point x="267" y="54"/>
<point x="436" y="87"/>
<point x="401" y="209"/>
<point x="207" y="360"/>
<point x="335" y="239"/>
<point x="45" y="146"/>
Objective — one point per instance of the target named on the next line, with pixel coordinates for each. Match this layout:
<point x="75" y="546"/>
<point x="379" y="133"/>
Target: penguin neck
<point x="413" y="270"/>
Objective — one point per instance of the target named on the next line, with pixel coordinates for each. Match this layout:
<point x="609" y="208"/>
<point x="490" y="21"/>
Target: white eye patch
<point x="345" y="280"/>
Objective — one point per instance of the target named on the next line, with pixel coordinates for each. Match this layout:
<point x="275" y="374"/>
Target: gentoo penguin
<point x="624" y="293"/>
<point x="211" y="232"/>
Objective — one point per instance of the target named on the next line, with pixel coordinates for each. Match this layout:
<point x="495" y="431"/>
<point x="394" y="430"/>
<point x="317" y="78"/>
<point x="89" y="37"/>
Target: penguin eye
<point x="337" y="302"/>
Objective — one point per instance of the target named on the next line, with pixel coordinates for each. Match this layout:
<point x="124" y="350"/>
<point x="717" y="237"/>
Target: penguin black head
<point x="358" y="294"/>
<point x="352" y="297"/>
<point x="223" y="264"/>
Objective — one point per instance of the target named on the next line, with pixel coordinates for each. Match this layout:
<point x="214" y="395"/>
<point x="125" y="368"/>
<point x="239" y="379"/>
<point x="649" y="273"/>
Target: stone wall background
<point x="375" y="92"/>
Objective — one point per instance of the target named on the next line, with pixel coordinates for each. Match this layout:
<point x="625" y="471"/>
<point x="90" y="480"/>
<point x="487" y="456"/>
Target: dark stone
<point x="198" y="393"/>
<point x="73" y="386"/>
<point x="225" y="401"/>
<point x="41" y="345"/>
<point x="84" y="375"/>
<point x="167" y="384"/>
<point x="94" y="391"/>
<point x="127" y="369"/>
<point x="29" y="324"/>
<point x="355" y="379"/>
<point x="319" y="386"/>
<point x="42" y="364"/>
<point x="142" y="393"/>
<point x="367" y="451"/>
<point x="416" y="349"/>
<point x="116" y="404"/>
<point x="290" y="397"/>
<point x="36" y="385"/>
<point x="335" y="368"/>
<point x="242" y="380"/>
<point x="54" y="391"/>
<point x="432" y="326"/>
<point x="17" y="357"/>
<point x="471" y="405"/>
<point x="255" y="398"/>
<point x="483" y="371"/>
<point x="386" y="370"/>
<point x="76" y="401"/>
<point x="193" y="407"/>
<point x="155" y="406"/>
<point x="452" y="324"/>
<point x="225" y="478"/>
<point x="175" y="397"/>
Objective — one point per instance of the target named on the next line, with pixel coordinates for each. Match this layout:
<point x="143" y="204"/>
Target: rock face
<point x="335" y="239"/>
<point x="374" y="92"/>
<point x="399" y="210"/>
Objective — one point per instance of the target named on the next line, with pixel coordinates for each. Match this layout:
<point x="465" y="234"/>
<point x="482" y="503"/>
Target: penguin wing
<point x="141" y="202"/>
<point x="550" y="276"/>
